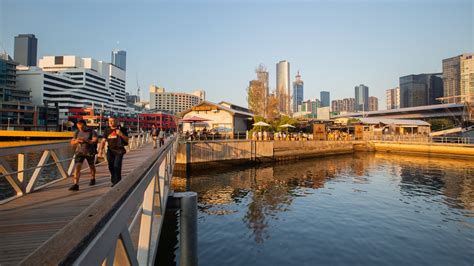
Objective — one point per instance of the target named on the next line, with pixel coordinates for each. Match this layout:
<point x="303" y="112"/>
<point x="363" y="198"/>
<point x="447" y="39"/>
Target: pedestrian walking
<point x="116" y="138"/>
<point x="161" y="137"/>
<point x="154" y="135"/>
<point x="85" y="140"/>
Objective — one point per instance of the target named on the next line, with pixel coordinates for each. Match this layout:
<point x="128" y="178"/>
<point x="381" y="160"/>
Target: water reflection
<point x="270" y="189"/>
<point x="363" y="208"/>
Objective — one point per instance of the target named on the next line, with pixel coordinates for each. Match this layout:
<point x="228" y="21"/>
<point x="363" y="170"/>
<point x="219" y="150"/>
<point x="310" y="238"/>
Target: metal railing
<point x="22" y="183"/>
<point x="420" y="139"/>
<point x="136" y="203"/>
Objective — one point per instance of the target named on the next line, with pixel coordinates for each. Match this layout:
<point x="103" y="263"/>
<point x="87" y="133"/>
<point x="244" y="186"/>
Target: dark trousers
<point x="115" y="166"/>
<point x="162" y="141"/>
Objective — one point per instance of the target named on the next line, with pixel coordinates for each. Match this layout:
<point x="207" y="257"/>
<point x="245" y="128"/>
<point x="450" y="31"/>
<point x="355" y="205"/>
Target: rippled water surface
<point x="365" y="209"/>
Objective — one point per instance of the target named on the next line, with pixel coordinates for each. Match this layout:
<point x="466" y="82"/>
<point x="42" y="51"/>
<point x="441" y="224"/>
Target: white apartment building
<point x="75" y="82"/>
<point x="174" y="102"/>
<point x="393" y="98"/>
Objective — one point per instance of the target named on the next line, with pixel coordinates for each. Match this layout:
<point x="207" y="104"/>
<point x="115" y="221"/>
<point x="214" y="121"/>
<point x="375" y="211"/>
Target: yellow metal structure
<point x="35" y="134"/>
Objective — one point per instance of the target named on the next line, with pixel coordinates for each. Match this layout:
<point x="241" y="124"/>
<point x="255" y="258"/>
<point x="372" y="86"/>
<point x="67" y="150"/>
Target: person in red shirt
<point x="116" y="138"/>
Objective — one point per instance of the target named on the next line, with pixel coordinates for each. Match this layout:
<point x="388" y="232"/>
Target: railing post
<point x="188" y="229"/>
<point x="22" y="162"/>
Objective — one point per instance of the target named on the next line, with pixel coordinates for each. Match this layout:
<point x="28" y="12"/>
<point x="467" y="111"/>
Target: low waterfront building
<point x="224" y="117"/>
<point x="174" y="102"/>
<point x="98" y="119"/>
<point x="386" y="126"/>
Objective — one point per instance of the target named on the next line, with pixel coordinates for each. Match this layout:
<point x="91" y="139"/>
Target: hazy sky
<point x="216" y="45"/>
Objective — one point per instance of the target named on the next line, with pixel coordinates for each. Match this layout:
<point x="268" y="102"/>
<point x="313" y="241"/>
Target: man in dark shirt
<point x="85" y="140"/>
<point x="116" y="138"/>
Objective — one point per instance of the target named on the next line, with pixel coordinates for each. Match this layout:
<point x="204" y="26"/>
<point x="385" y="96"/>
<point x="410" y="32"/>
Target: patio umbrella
<point x="193" y="120"/>
<point x="287" y="126"/>
<point x="261" y="124"/>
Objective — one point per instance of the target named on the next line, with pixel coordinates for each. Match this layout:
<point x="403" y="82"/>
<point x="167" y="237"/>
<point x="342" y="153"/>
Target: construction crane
<point x="467" y="100"/>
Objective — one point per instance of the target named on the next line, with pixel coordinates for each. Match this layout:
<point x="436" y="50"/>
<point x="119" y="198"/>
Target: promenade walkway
<point x="27" y="222"/>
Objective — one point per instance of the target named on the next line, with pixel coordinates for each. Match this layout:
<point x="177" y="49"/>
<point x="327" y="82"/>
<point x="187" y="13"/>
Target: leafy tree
<point x="441" y="124"/>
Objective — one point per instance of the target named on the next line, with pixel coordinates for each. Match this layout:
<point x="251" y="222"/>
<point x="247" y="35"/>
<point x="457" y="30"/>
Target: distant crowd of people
<point x="267" y="135"/>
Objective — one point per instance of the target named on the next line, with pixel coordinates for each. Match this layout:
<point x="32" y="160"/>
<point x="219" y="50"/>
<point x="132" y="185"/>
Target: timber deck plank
<point x="29" y="221"/>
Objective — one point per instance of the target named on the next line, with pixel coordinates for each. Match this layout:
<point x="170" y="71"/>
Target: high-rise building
<point x="467" y="77"/>
<point x="344" y="105"/>
<point x="75" y="82"/>
<point x="119" y="58"/>
<point x="458" y="77"/>
<point x="298" y="91"/>
<point x="283" y="86"/>
<point x="200" y="93"/>
<point x="173" y="102"/>
<point x="373" y="103"/>
<point x="362" y="98"/>
<point x="16" y="109"/>
<point x="393" y="98"/>
<point x="262" y="76"/>
<point x="419" y="90"/>
<point x="26" y="49"/>
<point x="325" y="98"/>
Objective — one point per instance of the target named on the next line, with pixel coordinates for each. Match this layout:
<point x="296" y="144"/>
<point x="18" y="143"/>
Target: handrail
<point x="19" y="180"/>
<point x="101" y="233"/>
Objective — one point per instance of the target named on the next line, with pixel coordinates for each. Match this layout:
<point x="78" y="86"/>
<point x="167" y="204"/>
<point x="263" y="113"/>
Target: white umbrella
<point x="287" y="125"/>
<point x="261" y="124"/>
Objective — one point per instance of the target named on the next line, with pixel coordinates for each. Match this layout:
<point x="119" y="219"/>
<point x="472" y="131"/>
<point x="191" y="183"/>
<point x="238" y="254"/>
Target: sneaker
<point x="92" y="182"/>
<point x="74" y="187"/>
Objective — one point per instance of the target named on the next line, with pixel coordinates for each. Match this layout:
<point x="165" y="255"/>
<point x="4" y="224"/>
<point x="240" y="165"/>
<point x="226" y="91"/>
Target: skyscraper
<point x="467" y="76"/>
<point x="419" y="90"/>
<point x="362" y="98"/>
<point x="119" y="59"/>
<point x="297" y="92"/>
<point x="26" y="49"/>
<point x="458" y="77"/>
<point x="393" y="98"/>
<point x="283" y="86"/>
<point x="325" y="98"/>
<point x="373" y="103"/>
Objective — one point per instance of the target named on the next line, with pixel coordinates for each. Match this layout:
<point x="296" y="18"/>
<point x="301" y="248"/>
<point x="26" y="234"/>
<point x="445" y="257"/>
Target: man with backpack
<point x="154" y="135"/>
<point x="161" y="136"/>
<point x="116" y="138"/>
<point x="85" y="140"/>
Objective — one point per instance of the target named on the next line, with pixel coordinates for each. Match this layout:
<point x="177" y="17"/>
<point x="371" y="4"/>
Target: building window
<point x="59" y="60"/>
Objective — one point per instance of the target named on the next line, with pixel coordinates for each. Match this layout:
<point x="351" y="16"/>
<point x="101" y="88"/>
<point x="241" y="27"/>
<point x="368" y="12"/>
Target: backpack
<point x="91" y="147"/>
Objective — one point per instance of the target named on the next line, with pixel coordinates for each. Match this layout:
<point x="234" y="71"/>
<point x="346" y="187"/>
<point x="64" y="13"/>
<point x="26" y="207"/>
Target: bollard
<point x="188" y="229"/>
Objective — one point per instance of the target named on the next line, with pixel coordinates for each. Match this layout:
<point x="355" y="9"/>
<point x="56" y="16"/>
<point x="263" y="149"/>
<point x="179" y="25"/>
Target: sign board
<point x="319" y="132"/>
<point x="359" y="131"/>
<point x="204" y="108"/>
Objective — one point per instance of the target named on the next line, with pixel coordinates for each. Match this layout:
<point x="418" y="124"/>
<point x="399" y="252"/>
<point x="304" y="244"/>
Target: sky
<point x="216" y="45"/>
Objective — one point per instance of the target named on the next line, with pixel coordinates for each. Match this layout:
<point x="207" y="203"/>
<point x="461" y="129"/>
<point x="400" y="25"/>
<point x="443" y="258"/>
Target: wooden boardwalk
<point x="27" y="222"/>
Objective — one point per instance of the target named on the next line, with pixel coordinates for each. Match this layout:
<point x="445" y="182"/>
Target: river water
<point x="363" y="209"/>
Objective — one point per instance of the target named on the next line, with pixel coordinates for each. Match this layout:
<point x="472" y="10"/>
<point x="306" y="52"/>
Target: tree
<point x="257" y="92"/>
<point x="256" y="97"/>
<point x="272" y="108"/>
<point x="441" y="124"/>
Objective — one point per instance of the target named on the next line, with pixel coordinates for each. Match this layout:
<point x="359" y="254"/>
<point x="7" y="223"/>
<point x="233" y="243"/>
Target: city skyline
<point x="204" y="54"/>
